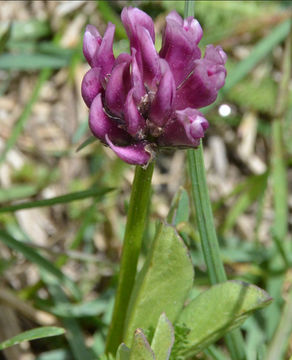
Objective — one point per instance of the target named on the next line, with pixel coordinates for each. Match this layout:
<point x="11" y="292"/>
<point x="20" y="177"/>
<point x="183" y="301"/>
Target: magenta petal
<point x="134" y="17"/>
<point x="173" y="15"/>
<point x="193" y="30"/>
<point x="118" y="87"/>
<point x="201" y="87"/>
<point x="149" y="57"/>
<point x="101" y="125"/>
<point x="134" y="154"/>
<point x="105" y="58"/>
<point x="215" y="54"/>
<point x="135" y="122"/>
<point x="91" y="43"/>
<point x="162" y="105"/>
<point x="179" y="46"/>
<point x="137" y="79"/>
<point x="91" y="85"/>
<point x="123" y="58"/>
<point x="186" y="129"/>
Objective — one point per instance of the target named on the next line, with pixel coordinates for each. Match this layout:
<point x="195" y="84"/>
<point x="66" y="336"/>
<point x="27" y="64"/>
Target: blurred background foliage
<point x="62" y="212"/>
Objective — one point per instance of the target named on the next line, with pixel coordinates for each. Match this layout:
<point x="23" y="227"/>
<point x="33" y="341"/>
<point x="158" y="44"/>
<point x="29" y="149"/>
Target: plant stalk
<point x="136" y="220"/>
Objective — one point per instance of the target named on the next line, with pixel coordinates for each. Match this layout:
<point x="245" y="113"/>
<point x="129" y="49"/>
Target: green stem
<point x="209" y="239"/>
<point x="136" y="220"/>
<point x="189" y="8"/>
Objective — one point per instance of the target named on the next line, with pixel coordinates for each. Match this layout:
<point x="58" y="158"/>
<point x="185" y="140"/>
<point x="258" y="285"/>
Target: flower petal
<point x="102" y="125"/>
<point x="134" y="154"/>
<point x="201" y="87"/>
<point x="118" y="87"/>
<point x="135" y="123"/>
<point x="215" y="54"/>
<point x="179" y="45"/>
<point x="185" y="130"/>
<point x="137" y="79"/>
<point x="148" y="57"/>
<point x="193" y="29"/>
<point x="123" y="58"/>
<point x="174" y="15"/>
<point x="104" y="57"/>
<point x="134" y="17"/>
<point x="162" y="105"/>
<point x="91" y="85"/>
<point x="91" y="43"/>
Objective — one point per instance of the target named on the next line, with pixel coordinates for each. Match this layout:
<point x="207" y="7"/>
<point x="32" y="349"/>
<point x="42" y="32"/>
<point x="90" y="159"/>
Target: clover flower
<point x="145" y="100"/>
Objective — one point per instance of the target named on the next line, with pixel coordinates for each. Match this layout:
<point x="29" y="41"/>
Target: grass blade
<point x="79" y="195"/>
<point x="32" y="61"/>
<point x="33" y="334"/>
<point x="259" y="52"/>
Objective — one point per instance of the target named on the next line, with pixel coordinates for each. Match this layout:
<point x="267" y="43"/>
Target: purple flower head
<point x="145" y="100"/>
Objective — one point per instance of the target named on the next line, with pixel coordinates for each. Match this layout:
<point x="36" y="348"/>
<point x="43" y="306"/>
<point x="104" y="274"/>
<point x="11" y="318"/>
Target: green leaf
<point x="163" y="338"/>
<point x="218" y="310"/>
<point x="123" y="352"/>
<point x="33" y="334"/>
<point x="163" y="283"/>
<point x="180" y="342"/>
<point x="141" y="349"/>
<point x="78" y="195"/>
